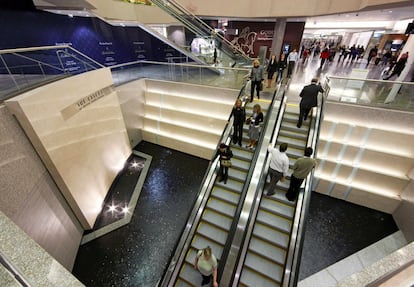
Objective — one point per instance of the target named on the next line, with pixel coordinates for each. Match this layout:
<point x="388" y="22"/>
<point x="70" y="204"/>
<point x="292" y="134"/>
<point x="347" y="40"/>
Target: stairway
<point x="265" y="259"/>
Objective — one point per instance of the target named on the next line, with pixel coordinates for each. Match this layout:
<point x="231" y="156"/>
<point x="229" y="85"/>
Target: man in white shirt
<point x="292" y="59"/>
<point x="279" y="166"/>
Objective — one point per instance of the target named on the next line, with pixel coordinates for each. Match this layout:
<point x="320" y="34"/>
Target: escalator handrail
<point x="235" y="224"/>
<point x="203" y="27"/>
<point x="291" y="274"/>
<point x="177" y="258"/>
<point x="237" y="269"/>
<point x="243" y="216"/>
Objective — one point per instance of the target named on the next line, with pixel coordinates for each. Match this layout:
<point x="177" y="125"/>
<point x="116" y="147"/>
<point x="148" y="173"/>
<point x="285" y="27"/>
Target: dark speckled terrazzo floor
<point x="138" y="253"/>
<point x="336" y="229"/>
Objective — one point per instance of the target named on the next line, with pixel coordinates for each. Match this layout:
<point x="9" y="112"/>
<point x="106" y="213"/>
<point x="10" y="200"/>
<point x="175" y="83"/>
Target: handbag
<point x="248" y="121"/>
<point x="261" y="86"/>
<point x="226" y="163"/>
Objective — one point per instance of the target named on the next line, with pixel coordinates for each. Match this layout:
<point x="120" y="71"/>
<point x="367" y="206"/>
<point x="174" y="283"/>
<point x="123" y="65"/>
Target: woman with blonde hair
<point x="256" y="77"/>
<point x="206" y="264"/>
<point x="254" y="128"/>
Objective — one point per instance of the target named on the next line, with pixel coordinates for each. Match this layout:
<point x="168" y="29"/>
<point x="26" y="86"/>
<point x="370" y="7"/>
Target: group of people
<point x="273" y="66"/>
<point x="239" y="120"/>
<point x="279" y="166"/>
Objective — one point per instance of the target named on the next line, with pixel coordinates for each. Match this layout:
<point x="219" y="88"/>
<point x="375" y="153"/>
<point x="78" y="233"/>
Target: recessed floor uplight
<point x="112" y="208"/>
<point x="125" y="210"/>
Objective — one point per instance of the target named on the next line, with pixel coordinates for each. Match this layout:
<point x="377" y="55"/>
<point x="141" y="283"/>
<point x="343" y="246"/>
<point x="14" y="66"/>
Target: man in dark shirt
<point x="309" y="95"/>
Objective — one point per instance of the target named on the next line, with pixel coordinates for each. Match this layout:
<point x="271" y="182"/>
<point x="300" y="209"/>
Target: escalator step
<point x="238" y="174"/>
<point x="226" y="195"/>
<point x="267" y="250"/>
<point x="218" y="219"/>
<point x="293" y="134"/>
<point x="242" y="154"/>
<point x="292" y="142"/>
<point x="240" y="164"/>
<point x="264" y="267"/>
<point x="274" y="236"/>
<point x="252" y="279"/>
<point x="190" y="275"/>
<point x="212" y="232"/>
<point x="231" y="184"/>
<point x="277" y="207"/>
<point x="181" y="283"/>
<point x="221" y="207"/>
<point x="274" y="221"/>
<point x="295" y="152"/>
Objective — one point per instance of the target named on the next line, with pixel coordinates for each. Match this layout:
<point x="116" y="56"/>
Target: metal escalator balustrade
<point x="212" y="217"/>
<point x="198" y="26"/>
<point x="217" y="220"/>
<point x="271" y="249"/>
<point x="291" y="275"/>
<point x="269" y="242"/>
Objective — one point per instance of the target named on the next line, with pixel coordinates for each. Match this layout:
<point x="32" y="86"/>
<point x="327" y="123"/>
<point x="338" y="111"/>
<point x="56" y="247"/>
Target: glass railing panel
<point x="377" y="93"/>
<point x="25" y="68"/>
<point x="224" y="77"/>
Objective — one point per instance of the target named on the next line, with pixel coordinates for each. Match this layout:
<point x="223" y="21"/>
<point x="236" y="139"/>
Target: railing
<point x="170" y="275"/>
<point x="377" y="93"/>
<point x="25" y="68"/>
<point x="199" y="27"/>
<point x="291" y="275"/>
<point x="232" y="270"/>
<point x="224" y="77"/>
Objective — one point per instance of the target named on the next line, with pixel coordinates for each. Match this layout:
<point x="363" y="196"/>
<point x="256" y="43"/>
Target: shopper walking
<point x="256" y="77"/>
<point x="279" y="166"/>
<point x="309" y="95"/>
<point x="301" y="169"/>
<point x="271" y="69"/>
<point x="281" y="66"/>
<point x="292" y="59"/>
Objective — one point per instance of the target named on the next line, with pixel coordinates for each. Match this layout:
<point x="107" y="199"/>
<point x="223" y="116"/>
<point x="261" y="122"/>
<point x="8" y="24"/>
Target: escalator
<point x="218" y="214"/>
<point x="199" y="28"/>
<point x="269" y="243"/>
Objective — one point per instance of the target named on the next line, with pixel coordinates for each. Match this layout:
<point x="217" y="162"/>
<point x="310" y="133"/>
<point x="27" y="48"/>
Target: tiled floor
<point x="137" y="254"/>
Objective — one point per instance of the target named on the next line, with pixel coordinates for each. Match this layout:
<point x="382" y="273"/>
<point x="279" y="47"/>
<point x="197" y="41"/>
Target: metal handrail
<point x="211" y="30"/>
<point x="290" y="278"/>
<point x="176" y="64"/>
<point x="251" y="211"/>
<point x="195" y="29"/>
<point x="182" y="246"/>
<point x="369" y="80"/>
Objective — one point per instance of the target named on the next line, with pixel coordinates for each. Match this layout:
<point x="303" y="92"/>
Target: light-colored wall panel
<point x="88" y="147"/>
<point x="131" y="100"/>
<point x="31" y="199"/>
<point x="174" y="143"/>
<point x="189" y="105"/>
<point x="367" y="151"/>
<point x="207" y="123"/>
<point x="214" y="94"/>
<point x="380" y="181"/>
<point x="374" y="200"/>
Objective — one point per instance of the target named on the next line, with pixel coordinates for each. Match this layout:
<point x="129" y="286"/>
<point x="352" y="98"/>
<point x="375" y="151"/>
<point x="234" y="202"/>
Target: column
<point x="278" y="35"/>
